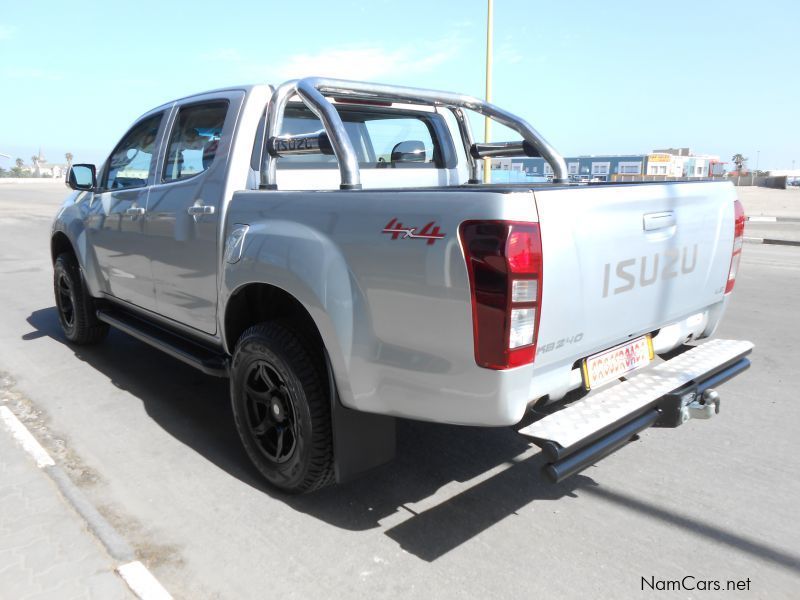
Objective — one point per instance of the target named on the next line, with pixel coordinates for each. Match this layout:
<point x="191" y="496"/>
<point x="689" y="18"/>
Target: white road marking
<point x="142" y="582"/>
<point x="25" y="438"/>
<point x="136" y="575"/>
<point x="754" y="240"/>
<point x="762" y="219"/>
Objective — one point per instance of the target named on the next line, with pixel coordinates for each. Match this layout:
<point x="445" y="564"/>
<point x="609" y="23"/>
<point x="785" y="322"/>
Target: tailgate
<point x="622" y="260"/>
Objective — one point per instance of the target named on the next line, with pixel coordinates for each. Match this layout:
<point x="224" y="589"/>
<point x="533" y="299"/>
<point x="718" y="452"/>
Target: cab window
<point x="130" y="162"/>
<point x="381" y="138"/>
<point x="195" y="138"/>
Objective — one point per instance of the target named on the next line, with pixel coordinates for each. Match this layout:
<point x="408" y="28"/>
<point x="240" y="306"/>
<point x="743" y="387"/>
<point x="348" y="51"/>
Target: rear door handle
<point x="659" y="220"/>
<point x="199" y="209"/>
<point x="135" y="211"/>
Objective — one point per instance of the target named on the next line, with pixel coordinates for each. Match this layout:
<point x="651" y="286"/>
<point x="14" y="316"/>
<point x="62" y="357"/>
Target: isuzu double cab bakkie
<point x="327" y="245"/>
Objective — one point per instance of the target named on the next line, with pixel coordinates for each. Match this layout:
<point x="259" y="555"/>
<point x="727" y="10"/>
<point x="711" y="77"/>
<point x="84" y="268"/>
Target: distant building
<point x="792" y="175"/>
<point x="42" y="168"/>
<point x="661" y="163"/>
<point x="671" y="162"/>
<point x="717" y="168"/>
<point x="588" y="168"/>
<point x="681" y="162"/>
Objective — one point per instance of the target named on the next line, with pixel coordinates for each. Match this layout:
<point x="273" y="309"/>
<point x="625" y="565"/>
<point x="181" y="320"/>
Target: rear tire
<point x="76" y="308"/>
<point x="281" y="408"/>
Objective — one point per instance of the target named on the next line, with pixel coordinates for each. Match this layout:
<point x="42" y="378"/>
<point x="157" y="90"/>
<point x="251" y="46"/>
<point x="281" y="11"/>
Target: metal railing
<point x="312" y="92"/>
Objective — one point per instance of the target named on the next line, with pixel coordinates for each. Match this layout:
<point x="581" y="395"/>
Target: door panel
<point x="182" y="223"/>
<point x="116" y="220"/>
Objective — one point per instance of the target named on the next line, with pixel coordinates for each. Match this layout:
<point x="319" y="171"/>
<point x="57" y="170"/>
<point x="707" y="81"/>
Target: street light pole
<point x="487" y="123"/>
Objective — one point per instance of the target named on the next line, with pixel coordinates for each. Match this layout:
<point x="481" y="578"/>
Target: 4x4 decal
<point x="430" y="232"/>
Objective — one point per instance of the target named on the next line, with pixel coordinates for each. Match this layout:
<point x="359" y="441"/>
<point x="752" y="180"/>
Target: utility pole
<point x="487" y="123"/>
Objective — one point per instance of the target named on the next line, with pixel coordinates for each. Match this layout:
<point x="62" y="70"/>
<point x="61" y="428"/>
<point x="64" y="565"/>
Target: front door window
<point x="129" y="164"/>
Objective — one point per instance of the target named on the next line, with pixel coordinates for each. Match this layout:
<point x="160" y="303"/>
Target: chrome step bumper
<point x="666" y="395"/>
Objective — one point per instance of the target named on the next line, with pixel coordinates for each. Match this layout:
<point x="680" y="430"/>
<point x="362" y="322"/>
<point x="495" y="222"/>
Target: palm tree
<point x="17" y="170"/>
<point x="739" y="160"/>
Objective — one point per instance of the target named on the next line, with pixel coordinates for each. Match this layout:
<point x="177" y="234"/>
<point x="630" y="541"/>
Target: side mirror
<point x="82" y="177"/>
<point x="408" y="151"/>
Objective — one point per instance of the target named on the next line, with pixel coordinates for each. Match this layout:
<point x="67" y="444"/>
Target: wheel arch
<point x="60" y="243"/>
<point x="255" y="302"/>
<point x="361" y="440"/>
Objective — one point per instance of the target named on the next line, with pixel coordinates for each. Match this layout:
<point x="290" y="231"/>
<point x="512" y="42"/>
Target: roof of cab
<point x="243" y="88"/>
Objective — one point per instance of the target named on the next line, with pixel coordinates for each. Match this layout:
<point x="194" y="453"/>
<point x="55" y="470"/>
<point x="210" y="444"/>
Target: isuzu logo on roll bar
<point x="430" y="232"/>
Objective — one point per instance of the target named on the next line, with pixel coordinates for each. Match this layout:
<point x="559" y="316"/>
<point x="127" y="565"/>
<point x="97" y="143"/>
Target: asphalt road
<point x="461" y="513"/>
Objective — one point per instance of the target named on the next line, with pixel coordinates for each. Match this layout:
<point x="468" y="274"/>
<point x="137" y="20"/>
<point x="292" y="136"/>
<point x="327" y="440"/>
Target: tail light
<point x="738" y="241"/>
<point x="504" y="261"/>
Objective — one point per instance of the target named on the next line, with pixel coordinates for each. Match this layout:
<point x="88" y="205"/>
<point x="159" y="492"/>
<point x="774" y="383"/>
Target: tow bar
<point x="703" y="407"/>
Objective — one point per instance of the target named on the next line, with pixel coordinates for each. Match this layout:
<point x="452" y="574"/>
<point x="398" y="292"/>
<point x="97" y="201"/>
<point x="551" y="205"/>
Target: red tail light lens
<point x="504" y="261"/>
<point x="520" y="251"/>
<point x="738" y="242"/>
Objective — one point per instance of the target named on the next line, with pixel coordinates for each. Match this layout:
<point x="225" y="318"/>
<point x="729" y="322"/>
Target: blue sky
<point x="593" y="77"/>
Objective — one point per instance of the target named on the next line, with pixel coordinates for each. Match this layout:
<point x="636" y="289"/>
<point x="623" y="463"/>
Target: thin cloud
<point x="368" y="62"/>
<point x="363" y="61"/>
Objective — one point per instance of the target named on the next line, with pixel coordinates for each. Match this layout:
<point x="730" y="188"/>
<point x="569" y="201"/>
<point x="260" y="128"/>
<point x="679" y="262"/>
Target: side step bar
<point x="185" y="350"/>
<point x="666" y="395"/>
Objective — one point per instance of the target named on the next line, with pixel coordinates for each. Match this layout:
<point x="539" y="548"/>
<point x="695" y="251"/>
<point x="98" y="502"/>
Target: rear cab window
<point x="381" y="138"/>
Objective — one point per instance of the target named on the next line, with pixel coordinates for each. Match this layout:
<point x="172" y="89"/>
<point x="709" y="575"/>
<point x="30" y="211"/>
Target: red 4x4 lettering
<point x="430" y="232"/>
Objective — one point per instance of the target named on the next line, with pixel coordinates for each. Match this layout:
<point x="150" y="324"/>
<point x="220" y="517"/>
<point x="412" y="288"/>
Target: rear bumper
<point x="667" y="395"/>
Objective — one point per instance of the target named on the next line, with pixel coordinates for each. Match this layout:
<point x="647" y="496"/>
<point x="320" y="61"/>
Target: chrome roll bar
<point x="312" y="91"/>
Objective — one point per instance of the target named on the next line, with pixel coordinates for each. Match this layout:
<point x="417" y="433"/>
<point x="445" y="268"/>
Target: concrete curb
<point x="115" y="544"/>
<point x="758" y="240"/>
<point x="138" y="578"/>
<point x="765" y="219"/>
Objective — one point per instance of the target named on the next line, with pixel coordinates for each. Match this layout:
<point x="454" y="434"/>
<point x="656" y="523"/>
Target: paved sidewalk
<point x="46" y="552"/>
<point x="758" y="201"/>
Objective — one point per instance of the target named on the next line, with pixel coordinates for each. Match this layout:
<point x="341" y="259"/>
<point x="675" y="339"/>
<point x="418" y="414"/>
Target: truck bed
<point x="384" y="300"/>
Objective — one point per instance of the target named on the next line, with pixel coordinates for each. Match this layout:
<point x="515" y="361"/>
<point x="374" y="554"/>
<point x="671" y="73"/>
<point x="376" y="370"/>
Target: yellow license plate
<point x="612" y="364"/>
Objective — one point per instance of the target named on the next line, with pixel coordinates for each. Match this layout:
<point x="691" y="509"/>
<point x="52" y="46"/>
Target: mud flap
<point x="361" y="441"/>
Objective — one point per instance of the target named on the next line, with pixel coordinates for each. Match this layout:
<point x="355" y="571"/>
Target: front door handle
<point x="135" y="211"/>
<point x="199" y="209"/>
<point x="659" y="220"/>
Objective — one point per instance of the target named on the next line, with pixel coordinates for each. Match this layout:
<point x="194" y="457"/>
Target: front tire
<point x="76" y="309"/>
<point x="281" y="408"/>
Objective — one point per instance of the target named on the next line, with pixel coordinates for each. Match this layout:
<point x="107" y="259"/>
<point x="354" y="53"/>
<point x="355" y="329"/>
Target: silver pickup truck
<point x="329" y="247"/>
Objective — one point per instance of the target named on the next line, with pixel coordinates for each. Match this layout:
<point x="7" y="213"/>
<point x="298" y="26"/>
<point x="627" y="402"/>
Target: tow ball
<point x="702" y="406"/>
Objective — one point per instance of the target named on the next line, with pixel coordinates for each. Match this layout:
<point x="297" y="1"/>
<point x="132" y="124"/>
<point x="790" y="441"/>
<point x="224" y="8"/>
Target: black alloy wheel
<point x="281" y="407"/>
<point x="271" y="416"/>
<point x="65" y="301"/>
<point x="77" y="313"/>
